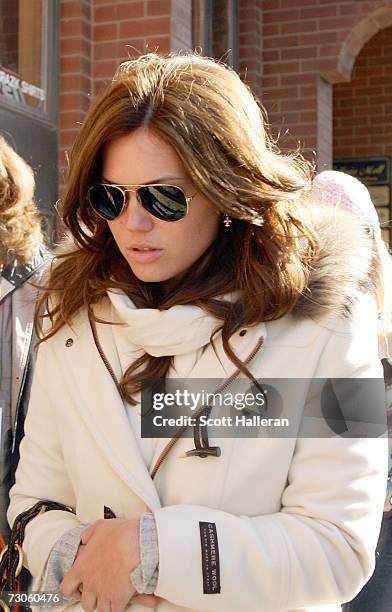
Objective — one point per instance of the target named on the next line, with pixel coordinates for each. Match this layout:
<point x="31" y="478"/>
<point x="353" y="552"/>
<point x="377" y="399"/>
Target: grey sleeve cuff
<point x="145" y="576"/>
<point x="62" y="557"/>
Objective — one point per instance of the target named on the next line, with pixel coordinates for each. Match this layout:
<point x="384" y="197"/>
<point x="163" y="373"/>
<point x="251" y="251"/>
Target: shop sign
<point x="14" y="88"/>
<point x="370" y="171"/>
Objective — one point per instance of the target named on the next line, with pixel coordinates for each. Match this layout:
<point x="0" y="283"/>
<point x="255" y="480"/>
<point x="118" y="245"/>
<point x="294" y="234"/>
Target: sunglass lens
<point x="106" y="200"/>
<point x="165" y="202"/>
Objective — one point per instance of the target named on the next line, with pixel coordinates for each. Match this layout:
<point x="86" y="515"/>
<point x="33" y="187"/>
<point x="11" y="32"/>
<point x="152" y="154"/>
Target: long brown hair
<point x="20" y="223"/>
<point x="210" y="117"/>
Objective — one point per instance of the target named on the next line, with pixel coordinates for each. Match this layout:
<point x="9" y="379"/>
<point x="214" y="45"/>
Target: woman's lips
<point x="144" y="255"/>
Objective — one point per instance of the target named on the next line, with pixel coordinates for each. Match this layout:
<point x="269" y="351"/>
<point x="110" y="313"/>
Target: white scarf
<point x="180" y="331"/>
<point x="176" y="331"/>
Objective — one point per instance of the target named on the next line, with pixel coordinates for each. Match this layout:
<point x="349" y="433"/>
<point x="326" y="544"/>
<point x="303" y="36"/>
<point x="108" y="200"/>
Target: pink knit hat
<point x="337" y="189"/>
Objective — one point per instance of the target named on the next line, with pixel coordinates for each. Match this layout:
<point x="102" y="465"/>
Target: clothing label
<point x="210" y="558"/>
<point x="108" y="513"/>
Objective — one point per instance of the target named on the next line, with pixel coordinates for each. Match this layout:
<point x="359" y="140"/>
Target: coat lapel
<point x="218" y="367"/>
<point x="103" y="411"/>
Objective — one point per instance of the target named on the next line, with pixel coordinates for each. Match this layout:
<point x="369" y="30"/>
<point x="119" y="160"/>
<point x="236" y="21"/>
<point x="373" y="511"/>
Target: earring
<point x="226" y="221"/>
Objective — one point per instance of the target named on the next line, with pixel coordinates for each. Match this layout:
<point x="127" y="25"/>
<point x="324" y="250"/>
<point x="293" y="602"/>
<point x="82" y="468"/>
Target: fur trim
<point x="342" y="268"/>
<point x="340" y="271"/>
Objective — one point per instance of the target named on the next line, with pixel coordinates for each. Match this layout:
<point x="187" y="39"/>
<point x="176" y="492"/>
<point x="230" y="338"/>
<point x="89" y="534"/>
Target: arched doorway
<point x="362" y="122"/>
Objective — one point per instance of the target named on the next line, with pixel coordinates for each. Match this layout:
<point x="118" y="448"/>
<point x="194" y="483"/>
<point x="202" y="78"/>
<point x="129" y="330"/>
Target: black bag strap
<point x="11" y="557"/>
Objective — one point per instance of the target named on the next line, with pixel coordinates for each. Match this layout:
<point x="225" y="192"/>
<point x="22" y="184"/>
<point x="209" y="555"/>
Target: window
<point x="22" y="60"/>
<point x="215" y="29"/>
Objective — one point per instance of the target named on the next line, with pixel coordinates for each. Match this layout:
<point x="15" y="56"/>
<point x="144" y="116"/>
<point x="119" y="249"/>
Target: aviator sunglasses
<point x="165" y="202"/>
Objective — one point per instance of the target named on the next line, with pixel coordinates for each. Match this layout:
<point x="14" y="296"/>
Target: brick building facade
<point x="322" y="68"/>
<point x="310" y="48"/>
<point x="362" y="107"/>
<point x="298" y="55"/>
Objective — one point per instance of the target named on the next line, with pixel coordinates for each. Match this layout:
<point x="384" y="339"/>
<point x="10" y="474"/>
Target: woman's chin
<point x="154" y="276"/>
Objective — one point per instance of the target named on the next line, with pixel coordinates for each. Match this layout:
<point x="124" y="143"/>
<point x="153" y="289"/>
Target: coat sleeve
<point x="319" y="549"/>
<point x="41" y="475"/>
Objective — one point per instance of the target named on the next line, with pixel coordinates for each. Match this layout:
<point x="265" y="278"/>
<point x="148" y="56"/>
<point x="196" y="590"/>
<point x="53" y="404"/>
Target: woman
<point x="195" y="257"/>
<point x="23" y="258"/>
<point x="342" y="191"/>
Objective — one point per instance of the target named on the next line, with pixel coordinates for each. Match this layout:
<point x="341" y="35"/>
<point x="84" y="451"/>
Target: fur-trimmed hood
<point x="343" y="267"/>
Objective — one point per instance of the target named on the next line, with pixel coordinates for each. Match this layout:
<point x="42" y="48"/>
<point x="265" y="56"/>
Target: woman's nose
<point x="134" y="217"/>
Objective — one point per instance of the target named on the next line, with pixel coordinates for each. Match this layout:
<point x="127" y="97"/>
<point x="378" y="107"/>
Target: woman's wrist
<point x="145" y="576"/>
<point x="62" y="557"/>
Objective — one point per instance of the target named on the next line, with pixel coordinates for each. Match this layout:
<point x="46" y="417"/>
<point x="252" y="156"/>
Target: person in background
<point x="344" y="192"/>
<point x="23" y="259"/>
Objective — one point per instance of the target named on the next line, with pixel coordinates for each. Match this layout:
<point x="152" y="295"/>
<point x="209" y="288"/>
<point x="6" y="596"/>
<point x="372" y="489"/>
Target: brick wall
<point x="75" y="73"/>
<point x="123" y="29"/>
<point x="292" y="53"/>
<point x="362" y="108"/>
<point x="251" y="43"/>
<point x="96" y="36"/>
<point x="309" y="45"/>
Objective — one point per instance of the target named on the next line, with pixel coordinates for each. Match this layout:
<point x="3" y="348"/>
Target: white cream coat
<point x="297" y="520"/>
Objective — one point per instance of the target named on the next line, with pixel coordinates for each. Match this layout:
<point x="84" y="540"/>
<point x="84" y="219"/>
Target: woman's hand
<point x="100" y="575"/>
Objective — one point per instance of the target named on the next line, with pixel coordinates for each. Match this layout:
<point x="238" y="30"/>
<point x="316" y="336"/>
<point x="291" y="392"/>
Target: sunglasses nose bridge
<point x="125" y="191"/>
<point x="127" y="196"/>
<point x="136" y="216"/>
